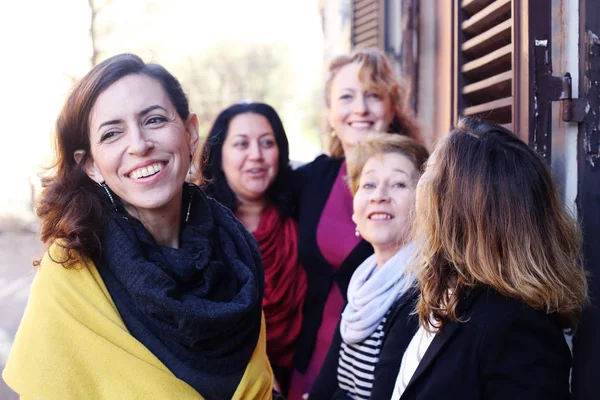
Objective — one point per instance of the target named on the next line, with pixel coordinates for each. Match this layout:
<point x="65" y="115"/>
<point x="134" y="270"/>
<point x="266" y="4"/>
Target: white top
<point x="411" y="359"/>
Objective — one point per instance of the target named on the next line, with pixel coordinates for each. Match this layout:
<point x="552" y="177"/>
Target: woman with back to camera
<point x="245" y="166"/>
<point x="377" y="323"/>
<point x="362" y="95"/>
<point x="498" y="270"/>
<point x="149" y="289"/>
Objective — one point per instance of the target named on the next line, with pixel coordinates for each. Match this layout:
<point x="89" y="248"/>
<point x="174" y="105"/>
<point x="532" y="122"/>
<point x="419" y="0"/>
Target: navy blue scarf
<point x="196" y="308"/>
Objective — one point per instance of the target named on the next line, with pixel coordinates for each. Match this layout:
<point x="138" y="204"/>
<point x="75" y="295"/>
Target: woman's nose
<point x="140" y="143"/>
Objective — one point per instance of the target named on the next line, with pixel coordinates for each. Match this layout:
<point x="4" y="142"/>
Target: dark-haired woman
<point x="149" y="289"/>
<point x="245" y="166"/>
<point x="499" y="274"/>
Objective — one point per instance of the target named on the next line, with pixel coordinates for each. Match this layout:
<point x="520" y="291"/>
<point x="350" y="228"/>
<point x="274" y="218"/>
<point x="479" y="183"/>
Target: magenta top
<point x="335" y="232"/>
<point x="336" y="240"/>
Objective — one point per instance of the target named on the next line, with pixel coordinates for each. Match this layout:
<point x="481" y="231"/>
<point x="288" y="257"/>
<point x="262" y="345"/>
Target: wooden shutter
<point x="483" y="60"/>
<point x="367" y="23"/>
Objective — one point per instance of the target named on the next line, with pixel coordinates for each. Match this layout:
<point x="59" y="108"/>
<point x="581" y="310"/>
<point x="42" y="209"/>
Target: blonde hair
<point x="377" y="76"/>
<point x="488" y="214"/>
<point x="383" y="143"/>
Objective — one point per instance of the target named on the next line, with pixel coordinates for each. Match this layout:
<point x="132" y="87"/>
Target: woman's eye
<point x="267" y="143"/>
<point x="345" y="97"/>
<point x="108" y="135"/>
<point x="155" y="120"/>
<point x="399" y="185"/>
<point x="368" y="186"/>
<point x="374" y="96"/>
<point x="240" y="145"/>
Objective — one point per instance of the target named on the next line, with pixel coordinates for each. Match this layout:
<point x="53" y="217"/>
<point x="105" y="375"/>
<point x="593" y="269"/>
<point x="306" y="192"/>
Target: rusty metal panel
<point x="590" y="106"/>
<point x="586" y="350"/>
<point x="543" y="87"/>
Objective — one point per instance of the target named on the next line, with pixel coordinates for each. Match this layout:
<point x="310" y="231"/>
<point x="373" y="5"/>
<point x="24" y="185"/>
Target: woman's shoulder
<point x="60" y="264"/>
<point x="517" y="346"/>
<point x="321" y="163"/>
<point x="487" y="299"/>
<point x="495" y="315"/>
<point x="70" y="331"/>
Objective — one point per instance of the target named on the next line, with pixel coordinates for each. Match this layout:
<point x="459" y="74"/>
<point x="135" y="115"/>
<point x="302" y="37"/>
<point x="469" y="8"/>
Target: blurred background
<point x="502" y="60"/>
<point x="223" y="52"/>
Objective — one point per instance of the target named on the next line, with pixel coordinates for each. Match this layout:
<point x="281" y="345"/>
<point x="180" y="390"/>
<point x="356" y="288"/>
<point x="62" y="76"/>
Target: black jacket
<point x="505" y="350"/>
<point x="399" y="330"/>
<point x="314" y="182"/>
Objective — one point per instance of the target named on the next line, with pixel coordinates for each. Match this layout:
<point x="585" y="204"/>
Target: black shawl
<point x="197" y="308"/>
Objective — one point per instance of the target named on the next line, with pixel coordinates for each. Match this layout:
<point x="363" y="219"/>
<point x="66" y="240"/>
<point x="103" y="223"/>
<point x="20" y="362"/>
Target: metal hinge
<point x="558" y="88"/>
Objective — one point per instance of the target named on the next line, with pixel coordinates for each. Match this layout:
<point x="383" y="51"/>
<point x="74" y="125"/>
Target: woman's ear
<point x="89" y="166"/>
<point x="78" y="156"/>
<point x="191" y="126"/>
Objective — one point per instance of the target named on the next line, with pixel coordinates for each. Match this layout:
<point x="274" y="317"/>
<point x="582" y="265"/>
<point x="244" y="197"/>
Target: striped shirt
<point x="357" y="364"/>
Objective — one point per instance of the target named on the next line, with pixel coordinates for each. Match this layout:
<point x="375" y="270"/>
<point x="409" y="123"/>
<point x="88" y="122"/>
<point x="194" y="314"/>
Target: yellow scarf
<point x="72" y="344"/>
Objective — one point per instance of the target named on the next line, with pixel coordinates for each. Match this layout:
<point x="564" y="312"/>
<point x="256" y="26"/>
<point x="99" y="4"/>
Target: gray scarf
<point x="372" y="291"/>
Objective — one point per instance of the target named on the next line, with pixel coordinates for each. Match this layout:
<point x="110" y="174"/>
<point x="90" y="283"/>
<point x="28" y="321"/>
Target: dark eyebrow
<point x="111" y="122"/>
<point x="141" y="113"/>
<point x="148" y="109"/>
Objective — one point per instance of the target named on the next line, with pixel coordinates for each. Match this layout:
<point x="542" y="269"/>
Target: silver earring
<point x="332" y="133"/>
<point x="112" y="200"/>
<point x="356" y="232"/>
<point x="187" y="216"/>
<point x="103" y="184"/>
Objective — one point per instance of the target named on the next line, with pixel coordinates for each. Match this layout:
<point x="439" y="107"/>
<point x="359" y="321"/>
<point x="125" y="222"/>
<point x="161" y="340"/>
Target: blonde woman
<point x="499" y="274"/>
<point x="377" y="325"/>
<point x="362" y="95"/>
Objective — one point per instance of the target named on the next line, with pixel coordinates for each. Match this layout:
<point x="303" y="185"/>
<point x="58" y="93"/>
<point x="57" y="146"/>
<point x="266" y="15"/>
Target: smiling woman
<point x="362" y="95"/>
<point x="377" y="323"/>
<point x="245" y="165"/>
<point x="149" y="289"/>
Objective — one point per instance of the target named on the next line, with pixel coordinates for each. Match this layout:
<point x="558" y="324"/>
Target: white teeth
<point x="360" y="125"/>
<point x="146" y="171"/>
<point x="380" y="216"/>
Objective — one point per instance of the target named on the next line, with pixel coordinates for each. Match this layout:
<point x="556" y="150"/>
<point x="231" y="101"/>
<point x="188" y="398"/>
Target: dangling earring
<point x="190" y="171"/>
<point x="187" y="215"/>
<point x="356" y="232"/>
<point x="103" y="184"/>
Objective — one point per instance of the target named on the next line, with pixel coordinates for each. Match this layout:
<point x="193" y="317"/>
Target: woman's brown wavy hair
<point x="377" y="76"/>
<point x="489" y="214"/>
<point x="71" y="204"/>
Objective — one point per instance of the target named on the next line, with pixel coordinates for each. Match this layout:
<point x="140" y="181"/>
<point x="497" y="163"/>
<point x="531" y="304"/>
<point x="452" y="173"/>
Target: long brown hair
<point x="489" y="214"/>
<point x="71" y="204"/>
<point x="376" y="75"/>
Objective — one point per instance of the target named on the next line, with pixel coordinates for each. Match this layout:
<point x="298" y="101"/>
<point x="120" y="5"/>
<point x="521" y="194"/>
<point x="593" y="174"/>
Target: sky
<point x="44" y="45"/>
